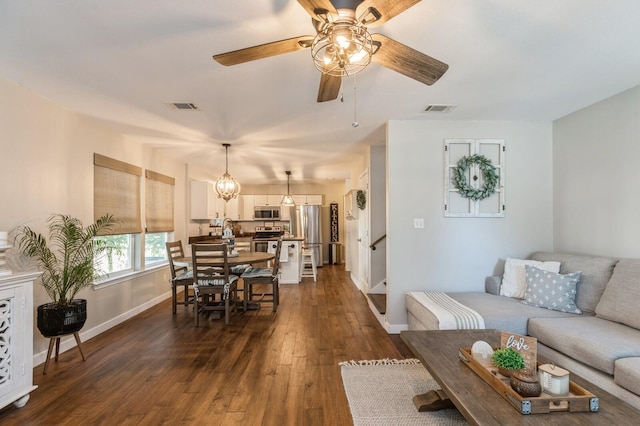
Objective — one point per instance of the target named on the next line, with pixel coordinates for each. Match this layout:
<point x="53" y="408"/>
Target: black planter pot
<point x="55" y="320"/>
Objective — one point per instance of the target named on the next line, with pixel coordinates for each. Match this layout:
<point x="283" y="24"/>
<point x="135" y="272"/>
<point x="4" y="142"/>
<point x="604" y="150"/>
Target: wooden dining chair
<point x="180" y="275"/>
<point x="267" y="277"/>
<point x="211" y="277"/>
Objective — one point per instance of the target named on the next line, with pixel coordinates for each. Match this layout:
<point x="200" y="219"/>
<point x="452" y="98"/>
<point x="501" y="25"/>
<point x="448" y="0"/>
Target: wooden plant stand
<point x="56" y="340"/>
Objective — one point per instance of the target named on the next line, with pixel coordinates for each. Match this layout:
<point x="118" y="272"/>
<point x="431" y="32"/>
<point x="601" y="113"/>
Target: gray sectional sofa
<point x="602" y="344"/>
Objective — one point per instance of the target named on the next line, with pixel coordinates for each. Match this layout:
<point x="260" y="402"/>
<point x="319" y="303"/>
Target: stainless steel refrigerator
<point x="306" y="223"/>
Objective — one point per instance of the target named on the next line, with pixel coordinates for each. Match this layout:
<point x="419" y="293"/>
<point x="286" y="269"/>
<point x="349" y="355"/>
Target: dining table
<point x="243" y="257"/>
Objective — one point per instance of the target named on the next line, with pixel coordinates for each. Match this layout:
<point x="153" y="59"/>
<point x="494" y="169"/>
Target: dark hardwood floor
<point x="264" y="369"/>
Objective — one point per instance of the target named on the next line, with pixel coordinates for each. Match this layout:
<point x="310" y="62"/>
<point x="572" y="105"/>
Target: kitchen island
<point x="290" y="260"/>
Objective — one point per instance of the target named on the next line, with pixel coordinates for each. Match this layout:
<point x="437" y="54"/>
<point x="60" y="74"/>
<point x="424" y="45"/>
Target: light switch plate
<point x="418" y="223"/>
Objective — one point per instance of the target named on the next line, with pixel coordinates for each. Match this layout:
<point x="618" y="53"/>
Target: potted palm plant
<point x="68" y="266"/>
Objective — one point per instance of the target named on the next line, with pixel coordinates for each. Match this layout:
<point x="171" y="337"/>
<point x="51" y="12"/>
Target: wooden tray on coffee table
<point x="578" y="400"/>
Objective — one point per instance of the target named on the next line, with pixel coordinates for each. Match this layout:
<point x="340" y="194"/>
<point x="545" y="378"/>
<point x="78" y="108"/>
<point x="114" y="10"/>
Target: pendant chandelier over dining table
<point x="226" y="186"/>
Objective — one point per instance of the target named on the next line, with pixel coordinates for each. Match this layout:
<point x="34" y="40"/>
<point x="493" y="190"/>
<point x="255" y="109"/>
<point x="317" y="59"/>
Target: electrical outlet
<point x="418" y="223"/>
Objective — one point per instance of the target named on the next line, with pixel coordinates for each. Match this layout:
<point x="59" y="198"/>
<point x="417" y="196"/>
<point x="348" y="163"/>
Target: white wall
<point x="377" y="200"/>
<point x="456" y="254"/>
<point x="596" y="168"/>
<point x="46" y="168"/>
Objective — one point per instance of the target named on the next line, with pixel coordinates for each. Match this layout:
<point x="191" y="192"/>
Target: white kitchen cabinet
<point x="248" y="204"/>
<point x="274" y="200"/>
<point x="205" y="204"/>
<point x="315" y="200"/>
<point x="232" y="209"/>
<point x="16" y="338"/>
<point x="267" y="200"/>
<point x="260" y="200"/>
<point x="300" y="199"/>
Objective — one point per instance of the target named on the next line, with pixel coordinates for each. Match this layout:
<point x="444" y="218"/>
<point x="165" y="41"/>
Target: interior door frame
<point x="363" y="236"/>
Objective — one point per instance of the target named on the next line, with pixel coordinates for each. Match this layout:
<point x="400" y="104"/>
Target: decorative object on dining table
<point x="554" y="380"/>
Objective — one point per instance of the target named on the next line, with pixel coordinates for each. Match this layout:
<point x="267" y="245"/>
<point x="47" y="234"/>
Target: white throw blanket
<point x="451" y="314"/>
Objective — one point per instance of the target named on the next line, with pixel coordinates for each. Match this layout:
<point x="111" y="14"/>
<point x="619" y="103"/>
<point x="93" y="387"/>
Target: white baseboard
<point x="69" y="342"/>
<point x="396" y="328"/>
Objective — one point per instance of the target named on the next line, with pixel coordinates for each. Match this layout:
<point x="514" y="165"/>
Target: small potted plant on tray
<point x="508" y="360"/>
<point x="67" y="264"/>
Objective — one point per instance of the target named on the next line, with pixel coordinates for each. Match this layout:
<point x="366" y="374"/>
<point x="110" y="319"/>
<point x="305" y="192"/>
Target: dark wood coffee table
<point x="479" y="403"/>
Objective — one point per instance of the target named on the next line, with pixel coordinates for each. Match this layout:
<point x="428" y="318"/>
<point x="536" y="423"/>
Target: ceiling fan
<point x="343" y="45"/>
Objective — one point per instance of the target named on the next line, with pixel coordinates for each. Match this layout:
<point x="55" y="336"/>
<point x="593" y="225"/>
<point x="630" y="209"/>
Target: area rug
<point x="380" y="392"/>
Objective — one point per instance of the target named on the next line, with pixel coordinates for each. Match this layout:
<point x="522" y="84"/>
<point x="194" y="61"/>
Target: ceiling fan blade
<point x="329" y="87"/>
<point x="386" y="9"/>
<point x="318" y="7"/>
<point x="264" y="50"/>
<point x="405" y="60"/>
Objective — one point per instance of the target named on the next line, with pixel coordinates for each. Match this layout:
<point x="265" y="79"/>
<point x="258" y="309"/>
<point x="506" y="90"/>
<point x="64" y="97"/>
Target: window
<point x="159" y="190"/>
<point x="117" y="191"/>
<point x="119" y="261"/>
<point x="155" y="250"/>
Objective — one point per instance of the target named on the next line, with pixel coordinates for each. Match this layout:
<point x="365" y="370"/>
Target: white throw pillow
<point x="514" y="283"/>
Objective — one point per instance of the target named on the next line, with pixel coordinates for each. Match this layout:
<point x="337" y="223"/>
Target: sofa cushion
<point x="504" y="313"/>
<point x="596" y="272"/>
<point x="627" y="374"/>
<point x="513" y="280"/>
<point x="619" y="302"/>
<point x="591" y="340"/>
<point x="551" y="291"/>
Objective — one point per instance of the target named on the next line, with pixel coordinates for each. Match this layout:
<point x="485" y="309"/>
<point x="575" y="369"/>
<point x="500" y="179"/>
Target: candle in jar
<point x="554" y="380"/>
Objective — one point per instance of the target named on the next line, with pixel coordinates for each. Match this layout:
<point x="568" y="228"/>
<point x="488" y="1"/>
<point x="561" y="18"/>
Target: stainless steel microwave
<point x="266" y="212"/>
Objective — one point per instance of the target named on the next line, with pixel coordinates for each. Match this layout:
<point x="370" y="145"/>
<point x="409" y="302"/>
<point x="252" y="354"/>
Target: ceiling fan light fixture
<point x="342" y="48"/>
<point x="287" y="199"/>
<point x="226" y="186"/>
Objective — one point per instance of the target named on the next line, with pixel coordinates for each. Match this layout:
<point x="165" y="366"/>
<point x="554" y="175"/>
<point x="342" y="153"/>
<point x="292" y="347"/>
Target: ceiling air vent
<point x="439" y="108"/>
<point x="182" y="105"/>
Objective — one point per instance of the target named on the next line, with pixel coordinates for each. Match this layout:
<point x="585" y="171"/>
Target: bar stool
<point x="308" y="258"/>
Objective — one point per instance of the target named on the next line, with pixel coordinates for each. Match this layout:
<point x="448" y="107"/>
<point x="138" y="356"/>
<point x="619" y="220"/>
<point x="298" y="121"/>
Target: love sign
<point x="527" y="346"/>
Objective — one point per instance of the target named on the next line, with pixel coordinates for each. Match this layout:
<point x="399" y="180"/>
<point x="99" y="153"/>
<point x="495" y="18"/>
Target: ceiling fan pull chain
<point x="355" y="103"/>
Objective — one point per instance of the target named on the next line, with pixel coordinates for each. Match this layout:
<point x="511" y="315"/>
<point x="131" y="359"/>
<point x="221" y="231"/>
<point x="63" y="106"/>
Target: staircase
<point x="379" y="301"/>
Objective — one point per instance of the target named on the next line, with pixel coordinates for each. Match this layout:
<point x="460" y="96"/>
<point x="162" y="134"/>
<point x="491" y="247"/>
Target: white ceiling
<point x="119" y="60"/>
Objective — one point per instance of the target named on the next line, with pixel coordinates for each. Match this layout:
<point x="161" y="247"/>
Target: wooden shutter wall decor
<point x="455" y="205"/>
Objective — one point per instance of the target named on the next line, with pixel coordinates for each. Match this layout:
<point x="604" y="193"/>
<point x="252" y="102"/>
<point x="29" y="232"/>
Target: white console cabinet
<point x="16" y="338"/>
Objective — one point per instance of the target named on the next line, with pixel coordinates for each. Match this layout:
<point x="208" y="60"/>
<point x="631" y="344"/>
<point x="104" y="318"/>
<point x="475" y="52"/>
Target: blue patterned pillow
<point x="550" y="290"/>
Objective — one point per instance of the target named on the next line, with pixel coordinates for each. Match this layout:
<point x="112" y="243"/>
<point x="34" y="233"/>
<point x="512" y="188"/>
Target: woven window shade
<point x="159" y="202"/>
<point x="116" y="191"/>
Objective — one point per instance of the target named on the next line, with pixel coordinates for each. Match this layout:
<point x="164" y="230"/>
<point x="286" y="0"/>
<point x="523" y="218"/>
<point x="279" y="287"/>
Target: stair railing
<point x="373" y="245"/>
